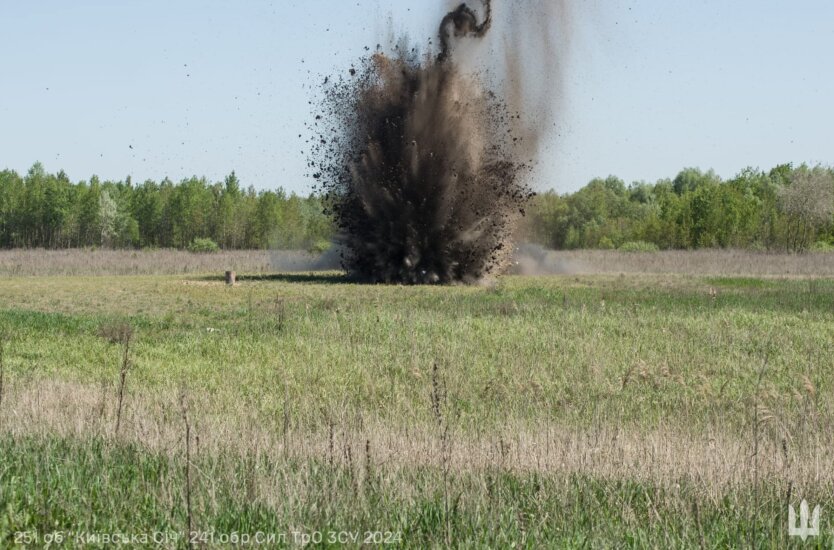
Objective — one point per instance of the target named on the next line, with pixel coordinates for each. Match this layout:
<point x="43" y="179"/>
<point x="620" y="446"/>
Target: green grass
<point x="290" y="375"/>
<point x="527" y="348"/>
<point x="95" y="486"/>
<point x="738" y="282"/>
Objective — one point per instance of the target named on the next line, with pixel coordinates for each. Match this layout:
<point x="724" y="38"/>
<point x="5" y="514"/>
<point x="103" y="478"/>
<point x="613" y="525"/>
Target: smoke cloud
<point x="423" y="159"/>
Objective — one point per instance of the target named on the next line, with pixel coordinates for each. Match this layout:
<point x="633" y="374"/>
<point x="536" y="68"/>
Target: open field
<point x="75" y="262"/>
<point x="621" y="409"/>
<point x="21" y="262"/>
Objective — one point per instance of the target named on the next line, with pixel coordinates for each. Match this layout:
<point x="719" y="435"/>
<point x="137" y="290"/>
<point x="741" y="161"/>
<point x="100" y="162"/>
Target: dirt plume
<point x="422" y="158"/>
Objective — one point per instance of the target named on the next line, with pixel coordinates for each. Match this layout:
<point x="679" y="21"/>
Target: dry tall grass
<point x="687" y="262"/>
<point x="714" y="460"/>
<point x="37" y="262"/>
<point x="171" y="262"/>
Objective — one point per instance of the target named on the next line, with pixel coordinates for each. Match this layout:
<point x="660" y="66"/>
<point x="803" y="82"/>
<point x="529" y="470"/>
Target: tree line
<point x="786" y="208"/>
<point x="49" y="211"/>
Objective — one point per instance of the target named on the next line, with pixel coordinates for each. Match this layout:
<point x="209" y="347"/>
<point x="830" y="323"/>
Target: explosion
<point x="421" y="164"/>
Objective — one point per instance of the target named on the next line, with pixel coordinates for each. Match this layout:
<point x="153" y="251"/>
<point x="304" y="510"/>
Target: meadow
<point x="611" y="406"/>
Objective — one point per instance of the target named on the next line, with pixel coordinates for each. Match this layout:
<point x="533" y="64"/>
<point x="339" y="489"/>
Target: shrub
<point x="822" y="246"/>
<point x="319" y="247"/>
<point x="606" y="244"/>
<point x="638" y="246"/>
<point x="203" y="246"/>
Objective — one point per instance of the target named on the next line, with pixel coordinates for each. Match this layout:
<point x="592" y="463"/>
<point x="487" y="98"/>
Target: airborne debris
<point x="422" y="166"/>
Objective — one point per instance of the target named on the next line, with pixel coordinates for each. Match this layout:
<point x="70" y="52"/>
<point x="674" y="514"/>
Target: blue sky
<point x="183" y="88"/>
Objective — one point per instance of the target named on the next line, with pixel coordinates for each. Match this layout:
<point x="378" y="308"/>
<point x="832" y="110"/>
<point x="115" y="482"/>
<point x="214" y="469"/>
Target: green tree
<point x="89" y="213"/>
<point x="147" y="210"/>
<point x="689" y="179"/>
<point x="808" y="203"/>
<point x="55" y="209"/>
<point x="11" y="197"/>
<point x="107" y="213"/>
<point x="267" y="219"/>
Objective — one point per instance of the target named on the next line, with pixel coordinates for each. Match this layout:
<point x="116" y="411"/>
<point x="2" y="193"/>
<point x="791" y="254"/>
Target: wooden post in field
<point x="230" y="277"/>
